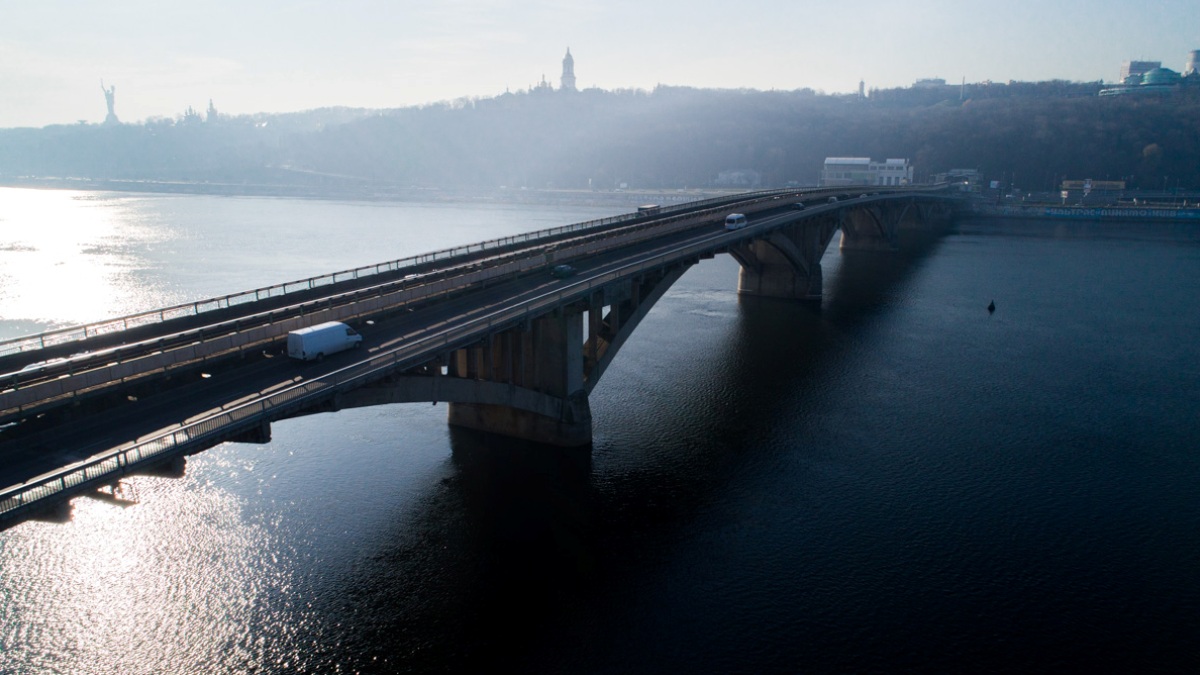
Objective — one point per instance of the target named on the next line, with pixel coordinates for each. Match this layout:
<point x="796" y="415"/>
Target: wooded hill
<point x="1031" y="134"/>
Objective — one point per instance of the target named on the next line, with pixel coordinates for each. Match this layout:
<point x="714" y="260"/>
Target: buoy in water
<point x="991" y="306"/>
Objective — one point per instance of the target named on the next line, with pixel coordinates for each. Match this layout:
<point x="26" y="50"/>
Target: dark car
<point x="562" y="271"/>
<point x="799" y="206"/>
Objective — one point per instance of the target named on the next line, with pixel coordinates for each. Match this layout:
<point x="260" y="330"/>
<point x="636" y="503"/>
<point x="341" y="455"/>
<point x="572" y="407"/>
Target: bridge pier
<point x="773" y="275"/>
<point x="548" y="359"/>
<point x="786" y="263"/>
<point x="571" y="428"/>
<point x="525" y="382"/>
<point x="533" y="383"/>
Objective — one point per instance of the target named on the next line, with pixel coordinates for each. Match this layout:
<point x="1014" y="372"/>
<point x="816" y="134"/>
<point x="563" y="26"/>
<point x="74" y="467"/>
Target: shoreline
<point x="1085" y="213"/>
<point x="375" y="193"/>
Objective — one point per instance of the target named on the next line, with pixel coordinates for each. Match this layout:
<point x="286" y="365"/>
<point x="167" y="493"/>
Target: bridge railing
<point x="414" y="350"/>
<point x="85" y="331"/>
<point x="234" y="335"/>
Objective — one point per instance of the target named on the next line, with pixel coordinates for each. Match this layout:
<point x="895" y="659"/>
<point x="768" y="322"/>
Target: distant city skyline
<point x="290" y="55"/>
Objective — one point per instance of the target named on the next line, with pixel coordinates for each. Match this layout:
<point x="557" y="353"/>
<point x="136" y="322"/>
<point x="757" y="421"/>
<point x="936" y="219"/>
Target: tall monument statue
<point x="109" y="97"/>
<point x="568" y="74"/>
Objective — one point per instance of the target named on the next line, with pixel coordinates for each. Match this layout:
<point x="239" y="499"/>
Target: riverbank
<point x="1117" y="213"/>
<point x="382" y="193"/>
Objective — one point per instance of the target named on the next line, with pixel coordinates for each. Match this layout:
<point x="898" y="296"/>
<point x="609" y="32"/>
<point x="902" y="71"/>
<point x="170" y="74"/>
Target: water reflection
<point x="525" y="499"/>
<point x="473" y="577"/>
<point x="176" y="584"/>
<point x="67" y="258"/>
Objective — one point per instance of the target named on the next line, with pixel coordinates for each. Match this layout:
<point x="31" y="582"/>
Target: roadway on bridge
<point x="96" y="434"/>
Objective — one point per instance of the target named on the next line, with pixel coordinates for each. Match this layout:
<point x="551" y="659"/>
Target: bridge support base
<point x="782" y="281"/>
<point x="573" y="428"/>
<point x="787" y="263"/>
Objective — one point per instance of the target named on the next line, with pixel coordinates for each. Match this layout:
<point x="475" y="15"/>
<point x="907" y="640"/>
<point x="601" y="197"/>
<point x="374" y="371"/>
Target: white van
<point x="316" y="342"/>
<point x="735" y="221"/>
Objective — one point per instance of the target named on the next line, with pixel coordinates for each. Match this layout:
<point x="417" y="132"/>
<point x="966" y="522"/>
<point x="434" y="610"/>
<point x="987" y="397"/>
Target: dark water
<point x="895" y="482"/>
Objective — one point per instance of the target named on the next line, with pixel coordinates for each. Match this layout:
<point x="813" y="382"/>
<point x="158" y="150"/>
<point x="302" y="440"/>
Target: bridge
<point x="486" y="328"/>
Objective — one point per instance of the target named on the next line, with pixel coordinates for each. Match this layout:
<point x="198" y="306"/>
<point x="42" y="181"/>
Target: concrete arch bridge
<point x="513" y="348"/>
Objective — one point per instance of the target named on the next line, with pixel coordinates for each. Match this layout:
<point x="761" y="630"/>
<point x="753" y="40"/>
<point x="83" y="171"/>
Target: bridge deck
<point x="233" y="397"/>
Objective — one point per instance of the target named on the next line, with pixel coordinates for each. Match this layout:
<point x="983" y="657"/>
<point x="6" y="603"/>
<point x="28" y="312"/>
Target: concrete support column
<point x="571" y="428"/>
<point x="551" y="357"/>
<point x="776" y="277"/>
<point x="787" y="264"/>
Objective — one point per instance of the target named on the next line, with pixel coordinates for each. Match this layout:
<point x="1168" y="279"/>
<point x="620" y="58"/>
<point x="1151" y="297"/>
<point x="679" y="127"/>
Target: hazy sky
<point x="283" y="55"/>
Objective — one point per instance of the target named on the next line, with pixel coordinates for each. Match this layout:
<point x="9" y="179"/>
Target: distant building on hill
<point x="841" y="171"/>
<point x="566" y="83"/>
<point x="568" y="74"/>
<point x="1133" y="71"/>
<point x="1192" y="67"/>
<point x="1149" y="77"/>
<point x="1156" y="81"/>
<point x="929" y="83"/>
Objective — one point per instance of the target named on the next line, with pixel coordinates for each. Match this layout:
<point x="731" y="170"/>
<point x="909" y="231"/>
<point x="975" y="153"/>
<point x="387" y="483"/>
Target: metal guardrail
<point x="83" y="332"/>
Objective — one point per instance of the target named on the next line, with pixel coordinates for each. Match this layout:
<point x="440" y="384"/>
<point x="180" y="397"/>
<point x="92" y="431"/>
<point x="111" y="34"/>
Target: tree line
<point x="1033" y="135"/>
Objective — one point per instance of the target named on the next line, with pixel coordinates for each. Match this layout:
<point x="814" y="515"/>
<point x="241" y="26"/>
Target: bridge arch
<point x="786" y="263"/>
<point x="532" y="380"/>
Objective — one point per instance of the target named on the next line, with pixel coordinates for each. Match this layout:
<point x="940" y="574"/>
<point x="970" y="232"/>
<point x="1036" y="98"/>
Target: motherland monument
<point x="109" y="98"/>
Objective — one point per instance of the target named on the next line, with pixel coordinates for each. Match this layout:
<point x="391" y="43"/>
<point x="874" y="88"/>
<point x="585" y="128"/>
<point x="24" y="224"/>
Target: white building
<point x="1132" y="71"/>
<point x="929" y="83"/>
<point x="863" y="171"/>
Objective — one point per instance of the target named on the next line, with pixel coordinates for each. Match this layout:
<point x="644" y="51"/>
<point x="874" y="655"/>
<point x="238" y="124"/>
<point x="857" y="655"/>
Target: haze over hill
<point x="280" y="55"/>
<point x="1033" y="134"/>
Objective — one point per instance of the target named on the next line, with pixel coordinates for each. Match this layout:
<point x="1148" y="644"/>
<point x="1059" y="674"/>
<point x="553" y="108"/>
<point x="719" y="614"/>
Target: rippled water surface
<point x="898" y="481"/>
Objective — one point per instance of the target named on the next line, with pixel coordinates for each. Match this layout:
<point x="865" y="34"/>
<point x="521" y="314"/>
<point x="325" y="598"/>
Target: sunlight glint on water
<point x="61" y="258"/>
<point x="135" y="585"/>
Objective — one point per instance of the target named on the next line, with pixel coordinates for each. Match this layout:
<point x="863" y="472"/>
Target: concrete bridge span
<point x="532" y="381"/>
<point x="509" y="348"/>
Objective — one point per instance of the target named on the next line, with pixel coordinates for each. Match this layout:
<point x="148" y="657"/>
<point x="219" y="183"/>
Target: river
<point x="896" y="481"/>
